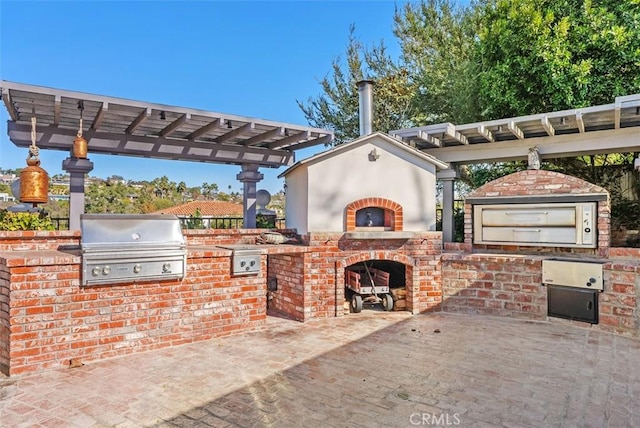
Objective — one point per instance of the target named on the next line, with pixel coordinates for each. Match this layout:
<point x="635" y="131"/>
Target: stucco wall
<point x="296" y="194"/>
<point x="339" y="179"/>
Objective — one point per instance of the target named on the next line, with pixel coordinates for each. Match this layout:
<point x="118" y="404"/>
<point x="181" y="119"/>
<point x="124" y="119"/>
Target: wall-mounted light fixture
<point x="163" y="115"/>
<point x="373" y="155"/>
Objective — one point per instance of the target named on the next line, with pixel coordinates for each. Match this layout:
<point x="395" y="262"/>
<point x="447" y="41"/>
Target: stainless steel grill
<point x="120" y="248"/>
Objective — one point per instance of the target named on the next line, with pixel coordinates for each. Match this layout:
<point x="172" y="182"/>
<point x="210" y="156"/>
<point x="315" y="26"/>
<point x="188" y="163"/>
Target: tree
<point x="337" y="108"/>
<point x="181" y="187"/>
<point x="537" y="56"/>
<point x="209" y="190"/>
<point x="107" y="198"/>
<point x="438" y="40"/>
<point x="163" y="188"/>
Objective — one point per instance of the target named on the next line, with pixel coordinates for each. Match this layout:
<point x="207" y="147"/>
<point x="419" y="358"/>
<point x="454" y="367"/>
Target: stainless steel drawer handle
<point x="527" y="230"/>
<point x="526" y="212"/>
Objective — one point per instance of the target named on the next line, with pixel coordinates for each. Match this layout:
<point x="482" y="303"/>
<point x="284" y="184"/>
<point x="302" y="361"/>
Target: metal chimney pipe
<point x="365" y="92"/>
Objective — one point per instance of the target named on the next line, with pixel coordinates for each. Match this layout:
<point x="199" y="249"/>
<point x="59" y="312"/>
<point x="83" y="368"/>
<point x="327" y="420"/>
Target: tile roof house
<point x="205" y="214"/>
<point x="206" y="209"/>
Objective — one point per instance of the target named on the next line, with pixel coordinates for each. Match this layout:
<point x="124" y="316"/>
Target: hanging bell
<point x="34" y="183"/>
<point x="79" y="148"/>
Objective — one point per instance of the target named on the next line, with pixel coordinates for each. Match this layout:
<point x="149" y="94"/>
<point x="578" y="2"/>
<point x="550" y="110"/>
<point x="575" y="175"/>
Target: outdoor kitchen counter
<point x="227" y="251"/>
<point x="40" y="257"/>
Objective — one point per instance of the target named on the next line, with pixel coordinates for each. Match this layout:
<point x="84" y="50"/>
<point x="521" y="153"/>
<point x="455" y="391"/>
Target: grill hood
<point x="120" y="248"/>
<point x="102" y="231"/>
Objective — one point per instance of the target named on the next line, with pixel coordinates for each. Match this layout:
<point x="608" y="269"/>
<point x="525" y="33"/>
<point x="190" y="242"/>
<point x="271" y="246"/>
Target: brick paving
<point x="372" y="369"/>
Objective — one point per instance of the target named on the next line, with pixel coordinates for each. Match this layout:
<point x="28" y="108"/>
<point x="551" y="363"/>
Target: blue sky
<point x="250" y="58"/>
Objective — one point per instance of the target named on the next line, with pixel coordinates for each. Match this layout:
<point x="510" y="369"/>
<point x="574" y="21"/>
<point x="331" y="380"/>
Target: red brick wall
<point x="5" y="319"/>
<point x="620" y="300"/>
<point x="37" y="240"/>
<point x="493" y="285"/>
<point x="332" y="253"/>
<point x="289" y="272"/>
<point x="541" y="183"/>
<point x="511" y="285"/>
<point x="53" y="319"/>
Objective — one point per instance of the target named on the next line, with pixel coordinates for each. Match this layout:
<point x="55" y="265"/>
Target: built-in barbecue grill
<point x="120" y="248"/>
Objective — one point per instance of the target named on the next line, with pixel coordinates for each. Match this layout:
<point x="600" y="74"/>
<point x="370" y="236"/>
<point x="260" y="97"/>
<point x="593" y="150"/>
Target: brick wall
<point x="47" y="319"/>
<point x="620" y="301"/>
<point x="511" y="285"/>
<point x="37" y="240"/>
<point x="311" y="284"/>
<point x="5" y="319"/>
<point x="288" y="270"/>
<point x="493" y="284"/>
<point x="54" y="320"/>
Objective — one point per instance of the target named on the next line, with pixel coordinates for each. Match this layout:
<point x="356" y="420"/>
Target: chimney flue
<point x="365" y="92"/>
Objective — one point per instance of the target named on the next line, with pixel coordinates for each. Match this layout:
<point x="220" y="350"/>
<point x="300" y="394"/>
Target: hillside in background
<point x="117" y="195"/>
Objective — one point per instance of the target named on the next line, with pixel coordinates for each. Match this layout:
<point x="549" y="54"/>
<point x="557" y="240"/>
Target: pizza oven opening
<point x="374" y="214"/>
<point x="373" y="217"/>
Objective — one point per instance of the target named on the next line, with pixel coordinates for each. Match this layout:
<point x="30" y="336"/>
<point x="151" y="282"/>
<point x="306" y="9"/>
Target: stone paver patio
<point x="372" y="369"/>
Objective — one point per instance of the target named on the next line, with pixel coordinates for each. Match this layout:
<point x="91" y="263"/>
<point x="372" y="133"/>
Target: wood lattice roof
<point x="119" y="126"/>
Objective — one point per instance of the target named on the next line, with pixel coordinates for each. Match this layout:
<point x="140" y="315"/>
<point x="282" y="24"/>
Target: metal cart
<point x="367" y="285"/>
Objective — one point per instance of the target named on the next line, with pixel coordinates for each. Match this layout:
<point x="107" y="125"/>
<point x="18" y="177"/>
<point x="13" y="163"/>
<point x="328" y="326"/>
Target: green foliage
<point x="265" y="221"/>
<point x="438" y="46"/>
<point x="195" y="220"/>
<point x="56" y="209"/>
<point x="549" y="55"/>
<point x="25" y="221"/>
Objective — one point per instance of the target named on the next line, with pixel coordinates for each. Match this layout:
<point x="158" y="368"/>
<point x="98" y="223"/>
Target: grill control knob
<point x="95" y="271"/>
<point x="106" y="270"/>
<point x="137" y="268"/>
<point x="166" y="267"/>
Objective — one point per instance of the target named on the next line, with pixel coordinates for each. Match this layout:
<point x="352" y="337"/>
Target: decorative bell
<point x="80" y="147"/>
<point x="34" y="183"/>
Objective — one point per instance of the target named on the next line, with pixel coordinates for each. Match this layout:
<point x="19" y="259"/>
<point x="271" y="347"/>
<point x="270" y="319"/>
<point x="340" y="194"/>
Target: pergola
<point x="117" y="126"/>
<point x="610" y="128"/>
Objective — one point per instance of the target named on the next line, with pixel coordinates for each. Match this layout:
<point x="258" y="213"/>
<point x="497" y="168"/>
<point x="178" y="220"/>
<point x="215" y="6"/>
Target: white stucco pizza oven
<point x="374" y="183"/>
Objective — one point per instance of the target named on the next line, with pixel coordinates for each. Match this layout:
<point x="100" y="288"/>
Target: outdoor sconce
<point x="373" y="155"/>
<point x="272" y="284"/>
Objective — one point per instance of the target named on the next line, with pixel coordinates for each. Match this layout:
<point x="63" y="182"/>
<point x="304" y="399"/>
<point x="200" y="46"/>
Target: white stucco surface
<point x="319" y="189"/>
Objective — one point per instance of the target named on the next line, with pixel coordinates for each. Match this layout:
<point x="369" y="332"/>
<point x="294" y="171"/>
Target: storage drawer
<point x="572" y="303"/>
<point x="565" y="216"/>
<point x="537" y="235"/>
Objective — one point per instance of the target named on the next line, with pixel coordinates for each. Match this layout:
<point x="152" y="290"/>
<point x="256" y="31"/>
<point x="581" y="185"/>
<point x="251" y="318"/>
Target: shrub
<point x="25" y="221"/>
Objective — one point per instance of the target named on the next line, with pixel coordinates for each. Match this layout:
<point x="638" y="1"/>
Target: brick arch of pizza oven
<point x="380" y="255"/>
<point x="392" y="213"/>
